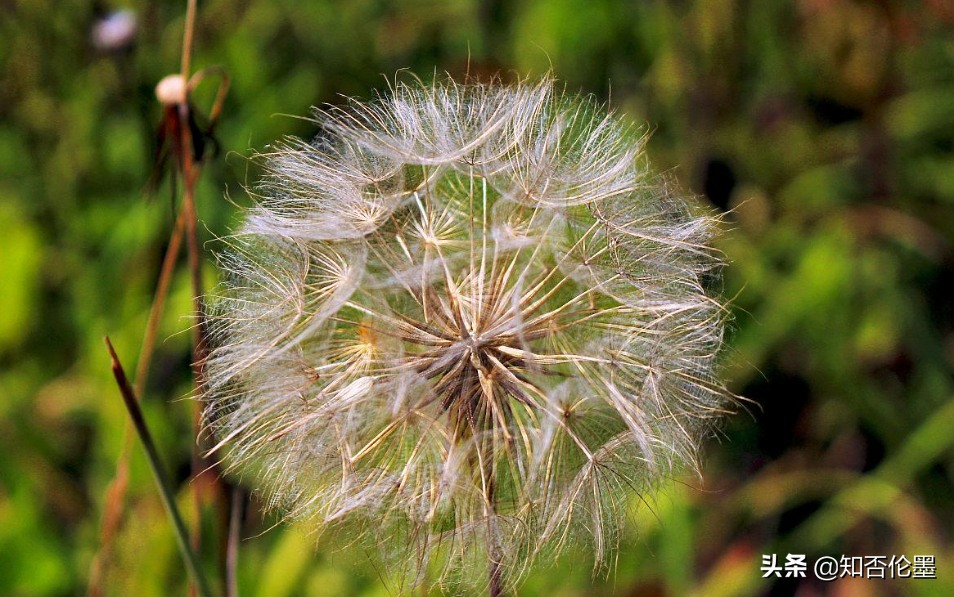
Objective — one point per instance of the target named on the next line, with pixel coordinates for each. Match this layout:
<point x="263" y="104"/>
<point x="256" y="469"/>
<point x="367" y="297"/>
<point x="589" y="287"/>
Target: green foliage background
<point x="825" y="126"/>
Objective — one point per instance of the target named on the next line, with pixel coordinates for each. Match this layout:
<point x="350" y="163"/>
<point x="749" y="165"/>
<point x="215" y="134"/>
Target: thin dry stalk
<point x="204" y="476"/>
<point x="186" y="224"/>
<point x="235" y="535"/>
<point x="190" y="173"/>
<point x="116" y="492"/>
<point x="496" y="580"/>
<point x="187" y="39"/>
<point x="158" y="303"/>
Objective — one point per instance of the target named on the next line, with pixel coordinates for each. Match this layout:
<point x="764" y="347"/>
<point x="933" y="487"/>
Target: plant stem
<point x="187" y="39"/>
<point x="496" y="580"/>
<point x="190" y="174"/>
<point x="116" y="493"/>
<point x="158" y="302"/>
<point x="186" y="225"/>
<point x="152" y="455"/>
<point x="496" y="570"/>
<point x="231" y="553"/>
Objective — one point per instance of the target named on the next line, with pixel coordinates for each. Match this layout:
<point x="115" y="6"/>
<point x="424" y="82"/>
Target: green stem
<point x="165" y="491"/>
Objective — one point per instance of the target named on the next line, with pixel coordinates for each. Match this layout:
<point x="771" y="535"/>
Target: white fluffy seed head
<point x="467" y="322"/>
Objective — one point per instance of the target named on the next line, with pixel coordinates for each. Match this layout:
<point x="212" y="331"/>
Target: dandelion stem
<point x="152" y="455"/>
<point x="496" y="570"/>
<point x="231" y="553"/>
<point x="496" y="580"/>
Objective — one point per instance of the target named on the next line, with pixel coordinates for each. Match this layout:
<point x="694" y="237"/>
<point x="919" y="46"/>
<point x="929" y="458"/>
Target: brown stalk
<point x="495" y="570"/>
<point x="190" y="175"/>
<point x="187" y="39"/>
<point x="496" y="580"/>
<point x="159" y="301"/>
<point x="235" y="535"/>
<point x="116" y="491"/>
<point x="186" y="224"/>
<point x="198" y="339"/>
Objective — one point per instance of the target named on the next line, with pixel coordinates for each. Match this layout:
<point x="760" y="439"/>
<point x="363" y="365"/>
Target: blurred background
<point x="824" y="129"/>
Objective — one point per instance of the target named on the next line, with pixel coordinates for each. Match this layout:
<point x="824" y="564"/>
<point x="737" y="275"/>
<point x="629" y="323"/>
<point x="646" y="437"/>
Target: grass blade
<point x="152" y="455"/>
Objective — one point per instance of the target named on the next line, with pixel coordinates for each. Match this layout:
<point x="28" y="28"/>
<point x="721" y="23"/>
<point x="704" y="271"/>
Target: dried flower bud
<point x="171" y="90"/>
<point x="468" y="322"/>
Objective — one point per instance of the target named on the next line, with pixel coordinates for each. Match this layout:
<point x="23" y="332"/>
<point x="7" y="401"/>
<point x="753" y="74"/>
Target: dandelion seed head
<point x="467" y="322"/>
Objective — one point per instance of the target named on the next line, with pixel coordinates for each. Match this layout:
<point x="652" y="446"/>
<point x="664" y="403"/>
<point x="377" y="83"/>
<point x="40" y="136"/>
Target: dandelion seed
<point x="467" y="322"/>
